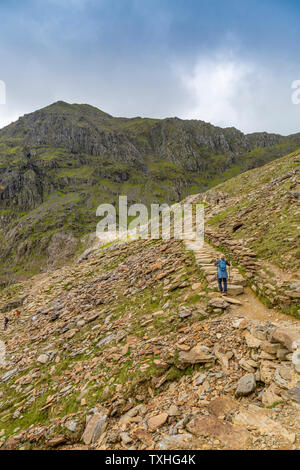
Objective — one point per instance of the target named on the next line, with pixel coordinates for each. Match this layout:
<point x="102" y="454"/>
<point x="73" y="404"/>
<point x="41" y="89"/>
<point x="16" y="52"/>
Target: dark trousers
<point x="224" y="279"/>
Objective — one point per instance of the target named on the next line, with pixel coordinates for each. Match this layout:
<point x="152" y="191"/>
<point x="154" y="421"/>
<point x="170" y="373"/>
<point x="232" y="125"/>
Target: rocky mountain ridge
<point x="59" y="163"/>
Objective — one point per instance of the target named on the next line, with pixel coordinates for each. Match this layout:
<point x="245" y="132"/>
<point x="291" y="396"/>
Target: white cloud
<point x="227" y="90"/>
<point x="217" y="88"/>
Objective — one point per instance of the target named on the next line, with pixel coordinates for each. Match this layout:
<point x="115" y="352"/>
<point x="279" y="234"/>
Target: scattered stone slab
<point x="251" y="341"/>
<point x="218" y="302"/>
<point x="232" y="301"/>
<point x="231" y="436"/>
<point x="222" y="405"/>
<point x="157" y="421"/>
<point x="198" y="354"/>
<point x="179" y="441"/>
<point x="94" y="428"/>
<point x="105" y="340"/>
<point x="294" y="393"/>
<point x="8" y="375"/>
<point x="263" y="423"/>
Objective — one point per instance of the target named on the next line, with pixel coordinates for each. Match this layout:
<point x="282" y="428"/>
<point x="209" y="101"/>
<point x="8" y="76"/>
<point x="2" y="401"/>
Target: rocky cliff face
<point x="59" y="163"/>
<point x="81" y="128"/>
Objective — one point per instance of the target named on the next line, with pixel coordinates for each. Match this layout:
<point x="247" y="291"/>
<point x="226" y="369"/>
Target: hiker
<point x="17" y="315"/>
<point x="222" y="273"/>
<point x="6" y="320"/>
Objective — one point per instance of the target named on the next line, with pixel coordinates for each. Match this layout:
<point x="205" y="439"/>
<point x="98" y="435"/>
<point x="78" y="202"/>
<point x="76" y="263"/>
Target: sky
<point x="231" y="63"/>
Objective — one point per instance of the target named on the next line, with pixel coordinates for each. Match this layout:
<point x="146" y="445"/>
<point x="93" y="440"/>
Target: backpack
<point x="222" y="265"/>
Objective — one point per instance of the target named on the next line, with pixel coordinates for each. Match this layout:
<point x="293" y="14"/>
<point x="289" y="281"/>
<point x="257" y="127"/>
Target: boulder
<point x="173" y="411"/>
<point x="270" y="348"/>
<point x="246" y="385"/>
<point x="267" y="371"/>
<point x="14" y="303"/>
<point x="285" y="336"/>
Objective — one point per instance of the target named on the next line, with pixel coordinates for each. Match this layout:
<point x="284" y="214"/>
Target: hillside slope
<point x="131" y="347"/>
<point x="255" y="219"/>
<point x="128" y="350"/>
<point x="59" y="163"/>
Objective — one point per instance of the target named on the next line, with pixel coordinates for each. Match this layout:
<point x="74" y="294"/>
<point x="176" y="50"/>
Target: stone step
<point x="205" y="257"/>
<point x="193" y="245"/>
<point x="232" y="289"/>
<point x="203" y="264"/>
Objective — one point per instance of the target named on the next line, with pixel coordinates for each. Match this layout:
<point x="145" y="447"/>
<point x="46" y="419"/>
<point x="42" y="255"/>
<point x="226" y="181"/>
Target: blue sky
<point x="229" y="62"/>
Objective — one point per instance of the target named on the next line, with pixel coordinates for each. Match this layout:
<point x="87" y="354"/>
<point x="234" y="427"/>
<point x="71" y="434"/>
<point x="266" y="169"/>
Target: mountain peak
<point x="76" y="108"/>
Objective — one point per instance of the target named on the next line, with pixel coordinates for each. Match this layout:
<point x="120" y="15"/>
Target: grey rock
<point x="8" y="375"/>
<point x="294" y="393"/>
<point x="43" y="358"/>
<point x="184" y="312"/>
<point x="126" y="439"/>
<point x="71" y="426"/>
<point x="246" y="385"/>
<point x="105" y="340"/>
<point x="94" y="428"/>
<point x="201" y="379"/>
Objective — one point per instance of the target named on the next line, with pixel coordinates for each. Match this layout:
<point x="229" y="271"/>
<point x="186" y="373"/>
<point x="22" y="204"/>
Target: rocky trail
<point x="247" y="304"/>
<point x="131" y="347"/>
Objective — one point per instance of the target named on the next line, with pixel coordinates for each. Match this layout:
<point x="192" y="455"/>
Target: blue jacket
<point x="222" y="271"/>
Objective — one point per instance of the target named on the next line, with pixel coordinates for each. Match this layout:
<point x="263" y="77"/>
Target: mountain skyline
<point x="101" y="109"/>
<point x="231" y="64"/>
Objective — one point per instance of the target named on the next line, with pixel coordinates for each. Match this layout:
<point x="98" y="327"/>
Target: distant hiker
<point x="222" y="273"/>
<point x="6" y="320"/>
<point x="17" y="315"/>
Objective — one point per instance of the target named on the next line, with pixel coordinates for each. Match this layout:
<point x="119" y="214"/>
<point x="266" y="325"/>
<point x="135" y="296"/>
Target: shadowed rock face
<point x="59" y="163"/>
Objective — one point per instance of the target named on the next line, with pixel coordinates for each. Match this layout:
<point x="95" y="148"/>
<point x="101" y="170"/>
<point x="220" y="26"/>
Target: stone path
<point x="205" y="258"/>
<point x="247" y="304"/>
